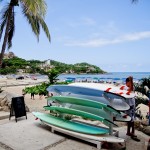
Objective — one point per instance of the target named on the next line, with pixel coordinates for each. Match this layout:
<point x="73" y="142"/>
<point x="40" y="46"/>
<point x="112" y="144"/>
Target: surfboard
<point x="83" y="102"/>
<point x="100" y="138"/>
<point x="79" y="113"/>
<point x="114" y="100"/>
<point x="106" y="87"/>
<point x="90" y="107"/>
<point x="70" y="125"/>
<point x="100" y="112"/>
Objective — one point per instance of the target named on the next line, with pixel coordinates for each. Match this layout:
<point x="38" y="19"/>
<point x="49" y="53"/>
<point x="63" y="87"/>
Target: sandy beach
<point x="16" y="86"/>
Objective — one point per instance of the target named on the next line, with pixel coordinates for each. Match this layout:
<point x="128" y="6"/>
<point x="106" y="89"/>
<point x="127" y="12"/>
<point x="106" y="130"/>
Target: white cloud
<point x="103" y="42"/>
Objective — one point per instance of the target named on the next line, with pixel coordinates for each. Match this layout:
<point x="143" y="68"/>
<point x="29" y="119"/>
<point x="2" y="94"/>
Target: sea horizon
<point x="109" y="75"/>
<point x="105" y="76"/>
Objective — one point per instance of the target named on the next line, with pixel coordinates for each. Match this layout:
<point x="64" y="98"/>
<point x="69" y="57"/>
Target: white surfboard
<point x="116" y="101"/>
<point x="106" y="87"/>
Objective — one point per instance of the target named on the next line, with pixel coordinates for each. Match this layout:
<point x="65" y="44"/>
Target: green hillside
<point x="15" y="64"/>
<point x="76" y="68"/>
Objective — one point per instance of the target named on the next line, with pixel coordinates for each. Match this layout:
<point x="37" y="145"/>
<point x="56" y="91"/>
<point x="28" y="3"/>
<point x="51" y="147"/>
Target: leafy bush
<point x="38" y="89"/>
<point x="143" y="86"/>
<point x="8" y="70"/>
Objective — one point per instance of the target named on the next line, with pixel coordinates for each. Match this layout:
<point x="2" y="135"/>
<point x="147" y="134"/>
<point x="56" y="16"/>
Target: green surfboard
<point x="101" y="113"/>
<point x="83" y="102"/>
<point x="79" y="113"/>
<point x="70" y="125"/>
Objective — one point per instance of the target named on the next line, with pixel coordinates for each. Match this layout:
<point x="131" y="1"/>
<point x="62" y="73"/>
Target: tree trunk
<point x="6" y="36"/>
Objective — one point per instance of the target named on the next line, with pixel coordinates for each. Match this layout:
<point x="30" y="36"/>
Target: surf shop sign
<point x="17" y="108"/>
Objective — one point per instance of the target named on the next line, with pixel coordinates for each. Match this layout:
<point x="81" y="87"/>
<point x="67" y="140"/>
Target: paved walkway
<point x="31" y="134"/>
<point x="27" y="134"/>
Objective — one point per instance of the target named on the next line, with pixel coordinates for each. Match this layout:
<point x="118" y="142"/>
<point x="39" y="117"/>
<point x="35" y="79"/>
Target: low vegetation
<point x="143" y="87"/>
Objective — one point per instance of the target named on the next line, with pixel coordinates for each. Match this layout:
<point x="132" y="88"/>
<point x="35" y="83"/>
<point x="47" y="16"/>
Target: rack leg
<point x="52" y="130"/>
<point x="99" y="145"/>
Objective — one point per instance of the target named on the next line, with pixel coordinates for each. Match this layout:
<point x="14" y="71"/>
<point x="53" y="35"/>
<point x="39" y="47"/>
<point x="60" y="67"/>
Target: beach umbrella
<point x="116" y="78"/>
<point x="70" y="78"/>
<point x="102" y="78"/>
<point x="95" y="78"/>
<point x="109" y="78"/>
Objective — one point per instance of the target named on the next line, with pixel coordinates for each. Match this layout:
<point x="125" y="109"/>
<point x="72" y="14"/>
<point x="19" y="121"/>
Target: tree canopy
<point x="33" y="10"/>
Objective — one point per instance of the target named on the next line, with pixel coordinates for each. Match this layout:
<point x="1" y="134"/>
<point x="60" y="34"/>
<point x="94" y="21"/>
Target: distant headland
<point x="14" y="65"/>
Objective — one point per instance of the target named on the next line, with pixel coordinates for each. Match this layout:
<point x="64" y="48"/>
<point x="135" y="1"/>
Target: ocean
<point x="112" y="76"/>
<point x="109" y="76"/>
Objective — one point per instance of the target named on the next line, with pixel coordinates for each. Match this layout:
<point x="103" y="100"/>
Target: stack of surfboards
<point x="64" y="108"/>
<point x="87" y="101"/>
<point x="96" y="92"/>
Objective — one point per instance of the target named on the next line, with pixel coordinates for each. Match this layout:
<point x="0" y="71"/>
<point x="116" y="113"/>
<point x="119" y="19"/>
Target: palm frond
<point x="3" y="19"/>
<point x="11" y="29"/>
<point x="34" y="24"/>
<point x="35" y="6"/>
<point x="35" y="19"/>
<point x="45" y="28"/>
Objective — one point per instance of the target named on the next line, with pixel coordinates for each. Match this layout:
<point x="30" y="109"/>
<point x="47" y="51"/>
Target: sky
<point x="112" y="34"/>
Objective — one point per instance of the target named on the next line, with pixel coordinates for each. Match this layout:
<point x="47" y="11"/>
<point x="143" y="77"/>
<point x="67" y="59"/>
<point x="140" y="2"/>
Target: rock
<point x="141" y="128"/>
<point x="1" y="99"/>
<point x="142" y="110"/>
<point x="27" y="109"/>
<point x="3" y="102"/>
<point x="137" y="124"/>
<point x="1" y="108"/>
<point x="9" y="104"/>
<point x="2" y="96"/>
<point x="146" y="130"/>
<point x="6" y="108"/>
<point x="6" y="104"/>
<point x="144" y="122"/>
<point x="148" y="145"/>
<point x="11" y="95"/>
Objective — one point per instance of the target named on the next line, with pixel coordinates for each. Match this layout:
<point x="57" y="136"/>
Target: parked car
<point x="33" y="78"/>
<point x="20" y="78"/>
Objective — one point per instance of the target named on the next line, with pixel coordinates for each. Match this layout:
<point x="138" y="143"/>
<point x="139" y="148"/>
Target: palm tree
<point x="33" y="10"/>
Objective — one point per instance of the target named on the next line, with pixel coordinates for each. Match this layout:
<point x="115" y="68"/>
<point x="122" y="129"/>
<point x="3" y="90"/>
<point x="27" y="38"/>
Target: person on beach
<point x="23" y="92"/>
<point x="40" y="96"/>
<point x="131" y="111"/>
<point x="32" y="96"/>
